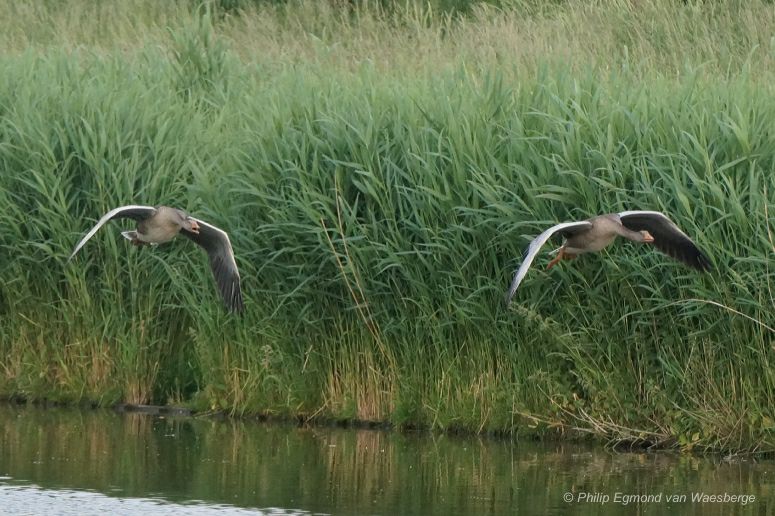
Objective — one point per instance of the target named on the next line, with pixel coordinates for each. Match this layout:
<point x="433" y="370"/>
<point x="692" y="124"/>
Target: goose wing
<point x="668" y="238"/>
<point x="131" y="211"/>
<point x="536" y="245"/>
<point x="218" y="246"/>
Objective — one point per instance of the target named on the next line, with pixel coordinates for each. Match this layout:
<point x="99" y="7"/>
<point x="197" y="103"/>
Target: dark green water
<point x="66" y="461"/>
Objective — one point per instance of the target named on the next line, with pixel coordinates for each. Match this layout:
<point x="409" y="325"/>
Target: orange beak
<point x="647" y="238"/>
<point x="195" y="227"/>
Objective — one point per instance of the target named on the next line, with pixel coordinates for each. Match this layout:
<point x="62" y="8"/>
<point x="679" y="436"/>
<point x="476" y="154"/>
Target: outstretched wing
<point x="535" y="246"/>
<point x="668" y="238"/>
<point x="216" y="242"/>
<point x="132" y="211"/>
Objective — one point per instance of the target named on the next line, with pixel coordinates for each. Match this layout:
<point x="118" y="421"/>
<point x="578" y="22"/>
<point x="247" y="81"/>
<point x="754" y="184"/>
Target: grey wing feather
<point x="132" y="211"/>
<point x="218" y="246"/>
<point x="668" y="237"/>
<point x="533" y="249"/>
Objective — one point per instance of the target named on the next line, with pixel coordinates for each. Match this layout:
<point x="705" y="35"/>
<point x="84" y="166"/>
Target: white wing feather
<point x="109" y="215"/>
<point x="533" y="249"/>
<point x="638" y="212"/>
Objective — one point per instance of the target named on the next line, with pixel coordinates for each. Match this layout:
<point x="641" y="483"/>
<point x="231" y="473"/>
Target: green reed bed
<point x="380" y="181"/>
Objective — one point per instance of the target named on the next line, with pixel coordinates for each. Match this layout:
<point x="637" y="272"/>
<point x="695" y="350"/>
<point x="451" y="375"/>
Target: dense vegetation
<point x="380" y="173"/>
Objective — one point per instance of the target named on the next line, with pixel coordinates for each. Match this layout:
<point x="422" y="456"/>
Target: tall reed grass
<point x="380" y="175"/>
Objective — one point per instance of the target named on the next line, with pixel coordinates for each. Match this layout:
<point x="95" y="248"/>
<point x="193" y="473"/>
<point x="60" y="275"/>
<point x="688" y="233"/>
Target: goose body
<point x="597" y="233"/>
<point x="158" y="225"/>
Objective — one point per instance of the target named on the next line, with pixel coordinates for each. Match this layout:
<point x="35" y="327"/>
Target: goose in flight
<point x="592" y="235"/>
<point x="160" y="224"/>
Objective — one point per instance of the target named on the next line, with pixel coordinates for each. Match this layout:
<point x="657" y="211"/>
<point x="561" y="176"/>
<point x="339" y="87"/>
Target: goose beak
<point x="194" y="227"/>
<point x="647" y="238"/>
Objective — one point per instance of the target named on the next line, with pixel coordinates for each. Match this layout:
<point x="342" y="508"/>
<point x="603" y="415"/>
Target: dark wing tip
<point x="686" y="252"/>
<point x="236" y="305"/>
<point x="703" y="263"/>
<point x="692" y="256"/>
<point x="700" y="262"/>
<point x="228" y="282"/>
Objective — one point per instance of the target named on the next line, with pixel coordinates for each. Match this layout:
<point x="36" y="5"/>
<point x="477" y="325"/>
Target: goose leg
<point x="556" y="259"/>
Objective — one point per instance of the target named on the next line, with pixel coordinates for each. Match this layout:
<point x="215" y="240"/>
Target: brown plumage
<point x="595" y="234"/>
<point x="160" y="224"/>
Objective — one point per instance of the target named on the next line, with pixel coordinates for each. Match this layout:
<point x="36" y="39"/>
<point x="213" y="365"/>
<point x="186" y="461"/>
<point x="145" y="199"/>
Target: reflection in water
<point x="322" y="470"/>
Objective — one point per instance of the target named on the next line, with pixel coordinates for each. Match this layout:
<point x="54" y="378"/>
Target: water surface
<point x="69" y="461"/>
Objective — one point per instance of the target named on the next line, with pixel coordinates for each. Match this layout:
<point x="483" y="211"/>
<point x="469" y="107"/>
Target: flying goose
<point x="160" y="224"/>
<point x="592" y="235"/>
